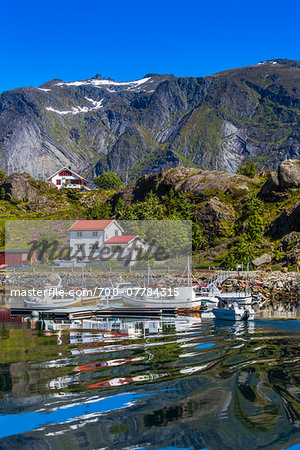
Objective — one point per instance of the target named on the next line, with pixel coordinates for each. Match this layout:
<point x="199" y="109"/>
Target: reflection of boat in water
<point x="109" y="363"/>
<point x="233" y="311"/>
<point x="114" y="382"/>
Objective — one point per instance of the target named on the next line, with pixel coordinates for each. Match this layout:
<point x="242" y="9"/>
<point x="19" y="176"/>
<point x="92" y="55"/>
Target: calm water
<point x="171" y="384"/>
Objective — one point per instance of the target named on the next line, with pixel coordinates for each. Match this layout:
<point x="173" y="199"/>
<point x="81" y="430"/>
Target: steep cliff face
<point x="160" y="121"/>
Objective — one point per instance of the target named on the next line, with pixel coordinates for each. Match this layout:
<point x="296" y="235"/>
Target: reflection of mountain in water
<point x="243" y="389"/>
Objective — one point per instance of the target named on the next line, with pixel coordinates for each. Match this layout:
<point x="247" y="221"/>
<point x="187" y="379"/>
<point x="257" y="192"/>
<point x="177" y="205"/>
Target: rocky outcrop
<point x="291" y="246"/>
<point x="215" y="219"/>
<point x="290" y="239"/>
<point x="287" y="222"/>
<point x="19" y="187"/>
<point x="287" y="176"/>
<point x="202" y="184"/>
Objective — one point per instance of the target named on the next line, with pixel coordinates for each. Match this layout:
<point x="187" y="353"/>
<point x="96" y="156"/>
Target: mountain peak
<point x="282" y="62"/>
<point x="98" y="76"/>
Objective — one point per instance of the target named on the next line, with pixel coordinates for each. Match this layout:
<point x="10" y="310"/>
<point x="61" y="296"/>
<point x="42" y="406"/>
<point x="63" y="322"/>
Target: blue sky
<point x="125" y="40"/>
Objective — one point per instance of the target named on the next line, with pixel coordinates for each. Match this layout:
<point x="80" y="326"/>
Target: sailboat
<point x="174" y="297"/>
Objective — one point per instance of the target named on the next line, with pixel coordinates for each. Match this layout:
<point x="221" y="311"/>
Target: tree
<point x="120" y="207"/>
<point x="248" y="170"/>
<point x="100" y="210"/>
<point x="179" y="206"/>
<point x="198" y="240"/>
<point x="150" y="209"/>
<point x="2" y="193"/>
<point x="251" y="205"/>
<point x="254" y="228"/>
<point x="239" y="252"/>
<point x="3" y="175"/>
<point x="73" y="193"/>
<point x="107" y="180"/>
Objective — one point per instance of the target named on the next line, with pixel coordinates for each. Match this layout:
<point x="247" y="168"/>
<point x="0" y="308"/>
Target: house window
<point x="65" y="173"/>
<point x="75" y="181"/>
<point x="94" y="246"/>
<point x="58" y="182"/>
<point x="80" y="246"/>
<point x="95" y="233"/>
<point x="116" y="232"/>
<point x="24" y="257"/>
<point x="79" y="233"/>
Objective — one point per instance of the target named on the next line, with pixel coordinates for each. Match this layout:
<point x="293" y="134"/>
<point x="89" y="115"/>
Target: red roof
<point x="90" y="225"/>
<point x="120" y="239"/>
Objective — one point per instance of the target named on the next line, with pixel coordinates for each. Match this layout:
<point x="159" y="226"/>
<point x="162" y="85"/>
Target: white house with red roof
<point x="66" y="177"/>
<point x="102" y="240"/>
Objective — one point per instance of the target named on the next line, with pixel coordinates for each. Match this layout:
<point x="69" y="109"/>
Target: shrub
<point x="248" y="170"/>
<point x="2" y="193"/>
<point x="73" y="194"/>
<point x="3" y="175"/>
<point x="107" y="180"/>
<point x="100" y="211"/>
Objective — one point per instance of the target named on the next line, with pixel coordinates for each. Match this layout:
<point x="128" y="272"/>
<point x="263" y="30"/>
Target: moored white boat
<point x="51" y="303"/>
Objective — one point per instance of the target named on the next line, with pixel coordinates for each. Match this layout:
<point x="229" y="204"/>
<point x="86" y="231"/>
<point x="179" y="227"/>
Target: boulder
<point x="289" y="174"/>
<point x="291" y="245"/>
<point x="215" y="218"/>
<point x="19" y="186"/>
<point x="266" y="258"/>
<point x="294" y="236"/>
<point x="269" y="191"/>
<point x="287" y="222"/>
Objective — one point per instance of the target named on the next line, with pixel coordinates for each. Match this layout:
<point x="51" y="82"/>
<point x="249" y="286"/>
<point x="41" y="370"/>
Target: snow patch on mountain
<point x="104" y="83"/>
<point x="79" y="109"/>
<point x="96" y="104"/>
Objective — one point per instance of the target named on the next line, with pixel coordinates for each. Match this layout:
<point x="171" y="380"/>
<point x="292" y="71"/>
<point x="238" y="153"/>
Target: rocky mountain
<point x="161" y="121"/>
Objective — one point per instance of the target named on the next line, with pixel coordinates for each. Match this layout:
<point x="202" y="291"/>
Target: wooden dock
<point x="87" y="312"/>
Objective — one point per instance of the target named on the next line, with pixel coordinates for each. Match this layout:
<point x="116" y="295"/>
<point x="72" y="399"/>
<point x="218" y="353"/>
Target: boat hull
<point x="52" y="304"/>
<point x="233" y="314"/>
<point x="152" y="302"/>
<point x="240" y="299"/>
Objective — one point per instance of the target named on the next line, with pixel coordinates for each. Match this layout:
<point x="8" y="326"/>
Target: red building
<point x="16" y="257"/>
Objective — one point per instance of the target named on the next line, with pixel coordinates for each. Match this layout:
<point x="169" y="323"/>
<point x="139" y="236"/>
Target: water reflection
<point x="182" y="382"/>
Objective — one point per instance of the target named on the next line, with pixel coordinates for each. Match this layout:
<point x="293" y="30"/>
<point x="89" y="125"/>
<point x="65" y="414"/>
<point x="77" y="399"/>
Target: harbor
<point x="121" y="380"/>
